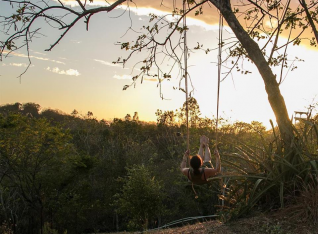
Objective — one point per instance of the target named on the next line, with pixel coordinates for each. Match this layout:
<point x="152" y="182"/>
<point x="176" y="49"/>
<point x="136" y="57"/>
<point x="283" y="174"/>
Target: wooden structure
<point x="301" y="115"/>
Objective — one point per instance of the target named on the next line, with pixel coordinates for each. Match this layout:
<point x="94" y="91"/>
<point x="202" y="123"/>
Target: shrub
<point x="141" y="198"/>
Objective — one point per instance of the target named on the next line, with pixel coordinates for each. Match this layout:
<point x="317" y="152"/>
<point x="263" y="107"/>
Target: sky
<point x="79" y="74"/>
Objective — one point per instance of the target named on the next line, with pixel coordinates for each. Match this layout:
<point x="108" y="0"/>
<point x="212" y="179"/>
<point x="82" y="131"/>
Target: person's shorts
<point x="207" y="165"/>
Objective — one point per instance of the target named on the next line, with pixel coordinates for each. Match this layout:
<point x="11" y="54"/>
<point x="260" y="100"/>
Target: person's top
<point x="197" y="178"/>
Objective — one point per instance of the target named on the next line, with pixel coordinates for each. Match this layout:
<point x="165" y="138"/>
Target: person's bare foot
<point x="204" y="141"/>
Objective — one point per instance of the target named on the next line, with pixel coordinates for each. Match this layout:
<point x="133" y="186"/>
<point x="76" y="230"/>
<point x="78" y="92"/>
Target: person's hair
<point x="195" y="163"/>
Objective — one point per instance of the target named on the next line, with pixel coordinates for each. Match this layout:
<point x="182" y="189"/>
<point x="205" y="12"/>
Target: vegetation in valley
<point x="69" y="173"/>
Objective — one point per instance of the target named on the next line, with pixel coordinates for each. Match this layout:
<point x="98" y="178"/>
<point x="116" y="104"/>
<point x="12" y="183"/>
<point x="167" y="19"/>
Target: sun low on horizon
<point x="79" y="72"/>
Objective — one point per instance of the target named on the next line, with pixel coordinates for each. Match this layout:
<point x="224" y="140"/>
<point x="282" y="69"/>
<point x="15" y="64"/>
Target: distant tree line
<point x="71" y="173"/>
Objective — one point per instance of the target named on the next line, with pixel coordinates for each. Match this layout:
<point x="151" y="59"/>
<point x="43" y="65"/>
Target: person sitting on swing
<point x="201" y="167"/>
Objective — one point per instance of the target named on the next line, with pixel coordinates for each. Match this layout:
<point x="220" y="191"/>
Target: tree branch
<point x="309" y="18"/>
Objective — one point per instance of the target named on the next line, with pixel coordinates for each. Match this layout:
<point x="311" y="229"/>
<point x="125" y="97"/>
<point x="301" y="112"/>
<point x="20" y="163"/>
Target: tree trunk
<point x="275" y="98"/>
<point x="310" y="18"/>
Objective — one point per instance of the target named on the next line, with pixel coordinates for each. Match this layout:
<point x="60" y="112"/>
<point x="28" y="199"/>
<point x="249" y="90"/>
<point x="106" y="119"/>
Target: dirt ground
<point x="258" y="224"/>
<point x="254" y="225"/>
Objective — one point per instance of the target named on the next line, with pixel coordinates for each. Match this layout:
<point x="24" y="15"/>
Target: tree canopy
<point x="258" y="27"/>
<point x="72" y="173"/>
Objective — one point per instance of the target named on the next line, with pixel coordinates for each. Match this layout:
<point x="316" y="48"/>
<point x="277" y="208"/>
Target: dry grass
<point x="304" y="207"/>
<point x="276" y="223"/>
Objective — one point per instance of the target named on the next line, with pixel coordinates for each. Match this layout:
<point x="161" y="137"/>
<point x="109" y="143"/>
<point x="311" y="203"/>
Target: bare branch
<point x="278" y="31"/>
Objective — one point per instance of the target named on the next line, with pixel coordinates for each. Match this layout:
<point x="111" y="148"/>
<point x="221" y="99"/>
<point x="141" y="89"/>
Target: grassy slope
<point x="273" y="224"/>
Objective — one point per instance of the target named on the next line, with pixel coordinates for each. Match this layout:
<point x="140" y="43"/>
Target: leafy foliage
<point x="271" y="175"/>
<point x="141" y="197"/>
<point x="73" y="173"/>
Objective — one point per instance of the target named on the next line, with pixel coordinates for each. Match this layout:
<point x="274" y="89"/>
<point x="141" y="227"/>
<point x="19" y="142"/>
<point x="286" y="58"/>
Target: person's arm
<point x="183" y="164"/>
<point x="200" y="152"/>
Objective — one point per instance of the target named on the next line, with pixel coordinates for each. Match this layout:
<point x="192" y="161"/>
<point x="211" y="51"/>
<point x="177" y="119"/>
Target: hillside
<point x="76" y="174"/>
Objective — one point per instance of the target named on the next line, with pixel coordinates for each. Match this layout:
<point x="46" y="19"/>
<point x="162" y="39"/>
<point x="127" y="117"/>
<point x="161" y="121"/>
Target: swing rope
<point x="218" y="90"/>
<point x="185" y="75"/>
<point x="185" y="51"/>
<point x="219" y="77"/>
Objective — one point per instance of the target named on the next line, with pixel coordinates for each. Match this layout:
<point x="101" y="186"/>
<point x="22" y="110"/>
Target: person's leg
<point x="207" y="158"/>
<point x="200" y="152"/>
<point x="207" y="154"/>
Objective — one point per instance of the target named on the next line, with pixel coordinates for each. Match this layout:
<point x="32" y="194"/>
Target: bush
<point x="141" y="198"/>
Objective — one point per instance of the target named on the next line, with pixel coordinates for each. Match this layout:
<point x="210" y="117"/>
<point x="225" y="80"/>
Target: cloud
<point x="107" y="63"/>
<point x="73" y="3"/>
<point x="33" y="57"/>
<point x="35" y="52"/>
<point x="151" y="79"/>
<point x="129" y="77"/>
<point x="209" y="20"/>
<point x="123" y="77"/>
<point x="146" y="11"/>
<point x="76" y="41"/>
<point x="18" y="64"/>
<point x="69" y="72"/>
